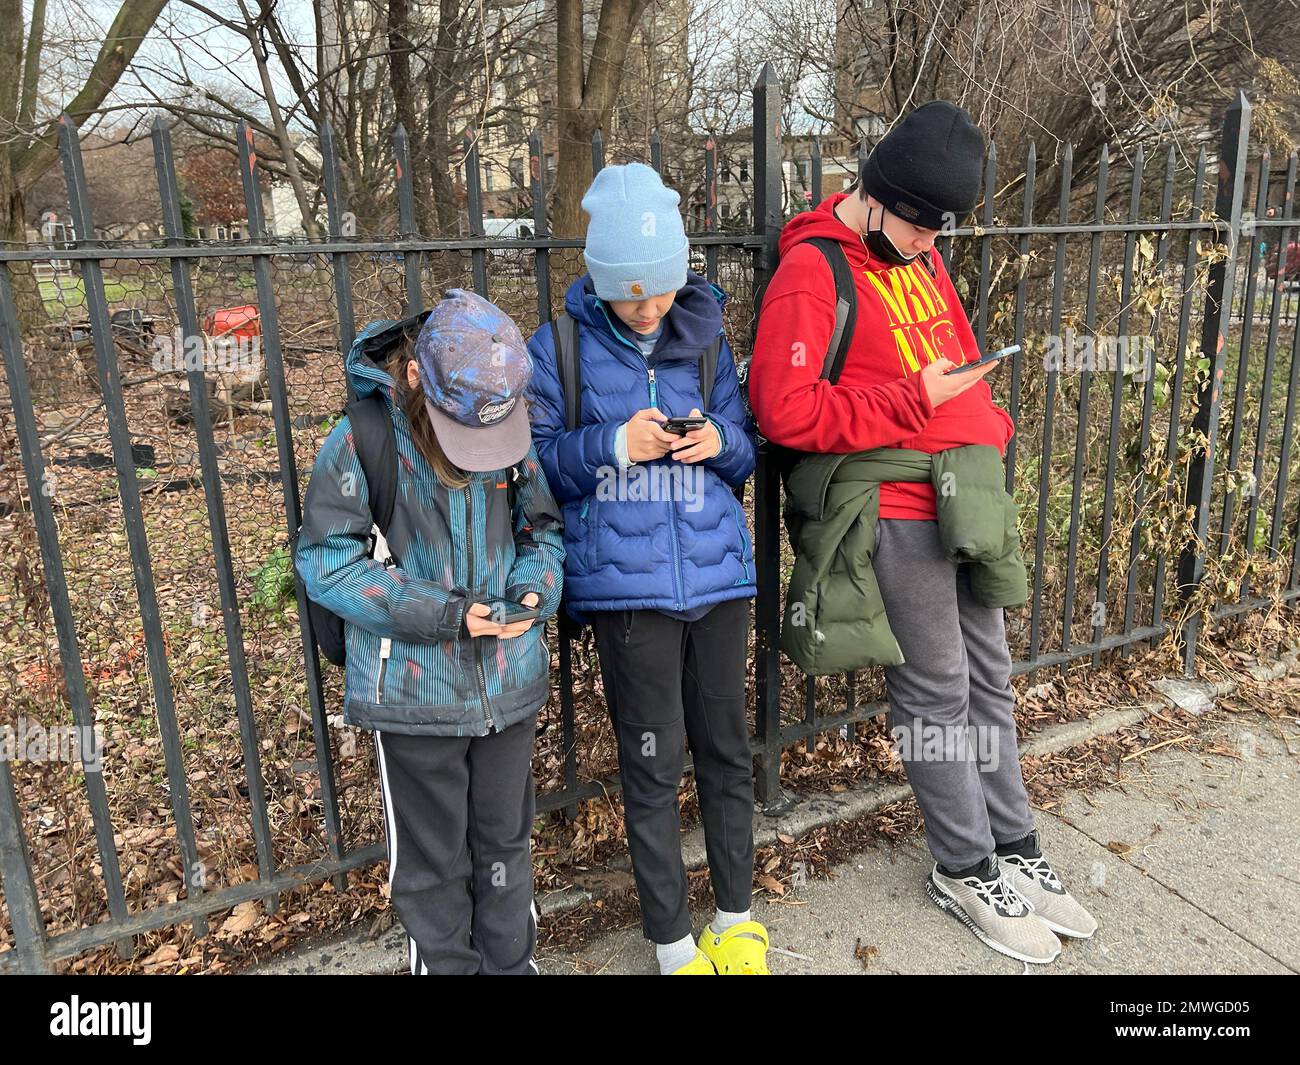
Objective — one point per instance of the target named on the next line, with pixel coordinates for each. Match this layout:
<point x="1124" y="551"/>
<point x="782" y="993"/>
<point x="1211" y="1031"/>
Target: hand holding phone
<point x="646" y="438"/>
<point x="502" y="618"/>
<point x="986" y="360"/>
<point x="698" y="440"/>
<point x="507" y="612"/>
<point x="682" y="426"/>
<point x="943" y="381"/>
<point x="515" y="618"/>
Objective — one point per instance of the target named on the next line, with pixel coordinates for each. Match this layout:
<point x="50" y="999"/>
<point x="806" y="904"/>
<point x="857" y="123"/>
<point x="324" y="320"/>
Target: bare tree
<point x="1122" y="73"/>
<point x="587" y="89"/>
<point x="31" y="136"/>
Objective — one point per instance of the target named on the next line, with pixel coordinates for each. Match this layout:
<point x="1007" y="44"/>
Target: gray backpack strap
<point x="832" y="366"/>
<point x="564" y="331"/>
<point x="709" y="371"/>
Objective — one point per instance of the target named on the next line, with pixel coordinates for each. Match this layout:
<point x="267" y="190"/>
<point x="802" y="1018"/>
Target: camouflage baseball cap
<point x="474" y="367"/>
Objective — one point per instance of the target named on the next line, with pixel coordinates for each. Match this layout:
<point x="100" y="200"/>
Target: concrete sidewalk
<point x="1191" y="863"/>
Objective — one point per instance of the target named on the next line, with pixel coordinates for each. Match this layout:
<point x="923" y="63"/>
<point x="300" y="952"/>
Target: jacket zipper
<point x="385" y="643"/>
<point x="474" y="640"/>
<point x="672" y="508"/>
<point x="385" y="649"/>
<point x="740" y="528"/>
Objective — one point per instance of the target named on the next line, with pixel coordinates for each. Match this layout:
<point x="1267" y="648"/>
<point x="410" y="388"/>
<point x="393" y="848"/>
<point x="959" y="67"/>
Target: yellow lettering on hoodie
<point x="920" y="294"/>
<point x="918" y="316"/>
<point x="931" y="286"/>
<point x="893" y="302"/>
<point x="905" y="354"/>
<point x="922" y="310"/>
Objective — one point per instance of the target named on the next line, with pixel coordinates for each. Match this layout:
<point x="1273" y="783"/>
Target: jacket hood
<point x="822" y="222"/>
<point x="361" y="364"/>
<point x="693" y="320"/>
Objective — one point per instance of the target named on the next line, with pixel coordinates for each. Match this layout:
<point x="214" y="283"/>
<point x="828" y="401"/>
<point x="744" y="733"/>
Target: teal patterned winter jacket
<point x="451" y="548"/>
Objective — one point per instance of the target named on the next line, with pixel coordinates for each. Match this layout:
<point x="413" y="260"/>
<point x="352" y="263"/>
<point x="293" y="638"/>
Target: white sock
<point x="673" y="956"/>
<point x="722" y="920"/>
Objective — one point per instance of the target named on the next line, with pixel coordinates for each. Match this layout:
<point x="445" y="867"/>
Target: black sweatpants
<point x="458" y="818"/>
<point x="669" y="682"/>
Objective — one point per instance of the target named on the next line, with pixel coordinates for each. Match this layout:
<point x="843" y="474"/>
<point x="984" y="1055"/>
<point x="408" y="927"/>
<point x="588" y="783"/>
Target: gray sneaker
<point x="1034" y="880"/>
<point x="992" y="909"/>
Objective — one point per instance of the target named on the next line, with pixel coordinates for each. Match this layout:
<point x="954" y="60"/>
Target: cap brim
<point x="489" y="447"/>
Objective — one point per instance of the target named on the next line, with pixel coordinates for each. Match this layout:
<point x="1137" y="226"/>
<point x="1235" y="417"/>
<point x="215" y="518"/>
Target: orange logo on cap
<point x="637" y="290"/>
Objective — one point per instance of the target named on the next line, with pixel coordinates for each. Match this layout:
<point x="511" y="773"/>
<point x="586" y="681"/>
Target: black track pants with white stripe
<point x="458" y="818"/>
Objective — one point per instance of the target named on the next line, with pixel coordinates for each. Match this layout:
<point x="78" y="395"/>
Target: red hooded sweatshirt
<point x="906" y="319"/>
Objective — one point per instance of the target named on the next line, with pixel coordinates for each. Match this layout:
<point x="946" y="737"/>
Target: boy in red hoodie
<point x="895" y="390"/>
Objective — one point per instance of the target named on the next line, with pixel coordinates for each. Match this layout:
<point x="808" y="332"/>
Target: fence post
<point x="214" y="493"/>
<point x="407" y="229"/>
<point x="541" y="227"/>
<point x="133" y="518"/>
<point x="566" y="631"/>
<point x="1214" y="332"/>
<point x="768" y="216"/>
<point x="711" y="208"/>
<point x="342" y="225"/>
<point x="13" y="858"/>
<point x="815" y="174"/>
<point x="269" y="316"/>
<point x="16" y="878"/>
<point x="474" y="211"/>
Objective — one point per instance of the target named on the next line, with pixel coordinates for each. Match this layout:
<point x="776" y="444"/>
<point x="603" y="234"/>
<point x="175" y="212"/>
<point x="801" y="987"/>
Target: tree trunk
<point x="399" y="68"/>
<point x="282" y="137"/>
<point x="584" y="103"/>
<point x="135" y="18"/>
<point x="27" y="293"/>
<point x="438" y="136"/>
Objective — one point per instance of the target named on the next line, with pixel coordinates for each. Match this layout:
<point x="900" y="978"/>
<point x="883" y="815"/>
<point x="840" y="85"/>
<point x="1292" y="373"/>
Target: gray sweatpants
<point x="951" y="702"/>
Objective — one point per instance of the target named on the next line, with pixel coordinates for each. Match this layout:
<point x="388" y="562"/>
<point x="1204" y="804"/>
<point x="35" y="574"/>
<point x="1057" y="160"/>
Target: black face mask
<point x="879" y="244"/>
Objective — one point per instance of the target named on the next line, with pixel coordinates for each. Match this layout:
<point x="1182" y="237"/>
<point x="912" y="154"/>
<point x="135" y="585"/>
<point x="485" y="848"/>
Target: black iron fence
<point x="1140" y="523"/>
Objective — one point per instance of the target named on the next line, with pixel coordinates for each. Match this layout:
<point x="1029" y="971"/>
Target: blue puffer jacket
<point x="452" y="548"/>
<point x="659" y="535"/>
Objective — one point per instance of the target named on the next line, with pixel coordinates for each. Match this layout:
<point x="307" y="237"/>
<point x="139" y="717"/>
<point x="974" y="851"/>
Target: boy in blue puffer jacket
<point x="450" y="686"/>
<point x="659" y="558"/>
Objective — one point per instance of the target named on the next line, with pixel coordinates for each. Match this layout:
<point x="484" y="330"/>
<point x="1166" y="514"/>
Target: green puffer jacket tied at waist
<point x="834" y="615"/>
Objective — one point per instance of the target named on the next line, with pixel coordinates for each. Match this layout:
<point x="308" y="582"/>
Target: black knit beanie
<point x="928" y="166"/>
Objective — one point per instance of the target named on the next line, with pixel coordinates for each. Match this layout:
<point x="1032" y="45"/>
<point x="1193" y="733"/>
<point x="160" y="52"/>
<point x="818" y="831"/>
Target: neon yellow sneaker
<point x="697" y="966"/>
<point x="739" y="951"/>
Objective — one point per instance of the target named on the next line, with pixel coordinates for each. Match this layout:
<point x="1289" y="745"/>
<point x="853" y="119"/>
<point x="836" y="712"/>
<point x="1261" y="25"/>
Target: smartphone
<point x="507" y="612"/>
<point x="682" y="426"/>
<point x="991" y="357"/>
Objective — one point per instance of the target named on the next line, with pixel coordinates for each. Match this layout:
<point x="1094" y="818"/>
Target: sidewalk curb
<point x="355" y="952"/>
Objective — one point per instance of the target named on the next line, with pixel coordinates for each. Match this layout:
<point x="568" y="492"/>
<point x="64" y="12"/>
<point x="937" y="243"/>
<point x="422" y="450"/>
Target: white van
<point x="508" y="228"/>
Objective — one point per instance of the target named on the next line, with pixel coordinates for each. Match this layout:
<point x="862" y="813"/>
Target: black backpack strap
<point x="376" y="444"/>
<point x="846" y="307"/>
<point x="568" y="365"/>
<point x="709" y="371"/>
